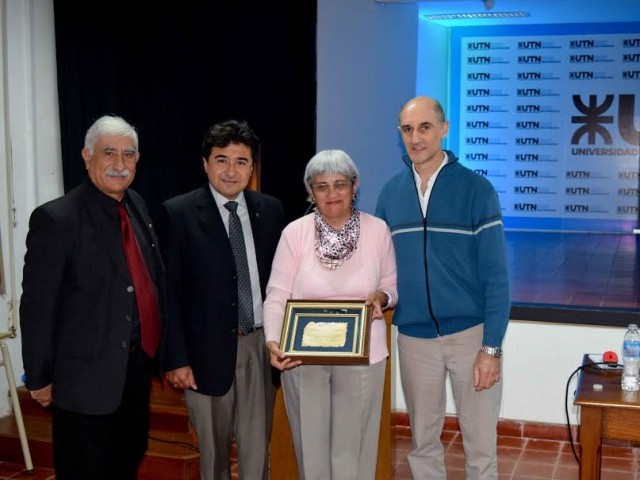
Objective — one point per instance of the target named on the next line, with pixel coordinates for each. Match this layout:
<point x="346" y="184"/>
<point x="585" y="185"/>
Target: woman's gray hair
<point x="329" y="161"/>
<point x="109" y="126"/>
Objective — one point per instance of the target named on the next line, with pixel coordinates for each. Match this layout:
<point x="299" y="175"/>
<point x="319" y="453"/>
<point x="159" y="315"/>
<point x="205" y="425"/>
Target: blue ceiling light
<point x="475" y="16"/>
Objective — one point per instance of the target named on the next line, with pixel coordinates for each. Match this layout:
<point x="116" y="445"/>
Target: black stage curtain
<point x="172" y="69"/>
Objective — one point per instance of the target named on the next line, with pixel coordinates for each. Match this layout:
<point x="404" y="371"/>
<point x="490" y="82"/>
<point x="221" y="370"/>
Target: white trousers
<point x="334" y="415"/>
<point x="425" y="364"/>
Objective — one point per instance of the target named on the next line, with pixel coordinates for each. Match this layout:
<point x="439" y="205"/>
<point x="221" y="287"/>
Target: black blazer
<point x="202" y="289"/>
<point x="76" y="308"/>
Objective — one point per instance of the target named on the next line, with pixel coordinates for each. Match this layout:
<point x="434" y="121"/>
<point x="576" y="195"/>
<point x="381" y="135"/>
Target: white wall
<point x="30" y="162"/>
<point x="366" y="70"/>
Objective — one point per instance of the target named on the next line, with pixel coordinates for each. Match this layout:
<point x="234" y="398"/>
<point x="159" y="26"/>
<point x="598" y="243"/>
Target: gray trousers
<point x="334" y="415"/>
<point x="244" y="412"/>
<point x="424" y="366"/>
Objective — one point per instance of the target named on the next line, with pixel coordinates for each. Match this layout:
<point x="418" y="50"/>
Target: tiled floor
<point x="574" y="269"/>
<point x="521" y="459"/>
<point x="518" y="459"/>
<point x="13" y="471"/>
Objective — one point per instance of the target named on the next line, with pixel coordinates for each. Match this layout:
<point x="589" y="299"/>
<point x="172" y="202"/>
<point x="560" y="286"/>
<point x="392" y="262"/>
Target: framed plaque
<point x="327" y="332"/>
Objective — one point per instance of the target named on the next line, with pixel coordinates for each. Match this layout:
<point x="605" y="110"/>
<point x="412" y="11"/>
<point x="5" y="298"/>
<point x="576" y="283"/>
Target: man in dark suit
<point x="90" y="325"/>
<point x="223" y="365"/>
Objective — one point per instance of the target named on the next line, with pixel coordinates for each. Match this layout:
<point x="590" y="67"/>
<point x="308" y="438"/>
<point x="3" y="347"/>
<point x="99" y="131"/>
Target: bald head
<point x="422" y="104"/>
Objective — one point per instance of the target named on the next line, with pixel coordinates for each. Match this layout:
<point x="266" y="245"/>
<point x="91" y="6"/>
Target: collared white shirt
<point x="243" y="213"/>
<point x="424" y="199"/>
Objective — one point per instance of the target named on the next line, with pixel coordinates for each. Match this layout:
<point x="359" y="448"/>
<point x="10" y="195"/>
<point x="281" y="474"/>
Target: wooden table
<point x="610" y="413"/>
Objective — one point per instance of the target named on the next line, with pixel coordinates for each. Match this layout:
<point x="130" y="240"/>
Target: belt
<point x="248" y="332"/>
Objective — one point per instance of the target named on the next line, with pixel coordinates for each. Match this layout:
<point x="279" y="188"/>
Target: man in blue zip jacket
<point x="453" y="288"/>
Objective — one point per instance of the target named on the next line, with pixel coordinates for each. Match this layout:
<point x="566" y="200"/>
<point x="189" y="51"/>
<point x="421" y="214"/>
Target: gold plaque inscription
<point x="325" y="334"/>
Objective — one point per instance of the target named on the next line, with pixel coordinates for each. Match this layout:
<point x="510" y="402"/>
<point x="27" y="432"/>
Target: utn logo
<point x="528" y="59"/>
<point x="478" y="92"/>
<point x="530" y="45"/>
<point x="582" y="58"/>
<point x="528" y="108"/>
<point x="576" y="191"/>
<point x="629" y="192"/>
<point x="479" y="45"/>
<point x="528" y="92"/>
<point x="582" y="44"/>
<point x="631" y="75"/>
<point x="529" y="76"/>
<point x="527" y="157"/>
<point x="528" y="125"/>
<point x="576" y="208"/>
<point x="581" y="174"/>
<point x="479" y="76"/>
<point x="478" y="108"/>
<point x="629" y="175"/>
<point x="479" y="60"/>
<point x="482" y="157"/>
<point x="477" y="124"/>
<point x="525" y="173"/>
<point x="597" y="116"/>
<point x="525" y="189"/>
<point x="627" y="209"/>
<point x="477" y="141"/>
<point x="525" y="207"/>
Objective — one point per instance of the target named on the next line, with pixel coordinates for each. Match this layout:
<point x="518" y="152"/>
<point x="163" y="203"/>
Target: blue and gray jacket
<point x="452" y="263"/>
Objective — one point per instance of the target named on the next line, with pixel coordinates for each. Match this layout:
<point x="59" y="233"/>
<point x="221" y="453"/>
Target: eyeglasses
<point x="339" y="186"/>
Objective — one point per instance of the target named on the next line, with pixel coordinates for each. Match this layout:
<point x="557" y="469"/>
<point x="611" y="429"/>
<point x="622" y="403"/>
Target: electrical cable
<point x="566" y="399"/>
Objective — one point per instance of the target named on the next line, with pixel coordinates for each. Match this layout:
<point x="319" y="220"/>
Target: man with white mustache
<point x="118" y="173"/>
<point x="92" y="311"/>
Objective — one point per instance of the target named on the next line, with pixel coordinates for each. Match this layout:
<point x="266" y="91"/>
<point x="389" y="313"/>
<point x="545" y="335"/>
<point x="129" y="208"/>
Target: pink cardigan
<point x="296" y="273"/>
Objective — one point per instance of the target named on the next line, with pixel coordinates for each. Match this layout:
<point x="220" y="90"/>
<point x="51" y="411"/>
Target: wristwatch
<point x="493" y="351"/>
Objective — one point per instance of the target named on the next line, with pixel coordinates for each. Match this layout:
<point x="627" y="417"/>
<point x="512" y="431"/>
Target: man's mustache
<point x="112" y="172"/>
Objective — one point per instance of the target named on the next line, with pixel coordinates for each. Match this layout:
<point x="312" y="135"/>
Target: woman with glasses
<point x="334" y="253"/>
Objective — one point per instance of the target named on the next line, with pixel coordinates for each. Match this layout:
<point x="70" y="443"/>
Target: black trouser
<point x="101" y="447"/>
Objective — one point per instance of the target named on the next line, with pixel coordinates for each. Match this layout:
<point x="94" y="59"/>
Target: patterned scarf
<point x="334" y="247"/>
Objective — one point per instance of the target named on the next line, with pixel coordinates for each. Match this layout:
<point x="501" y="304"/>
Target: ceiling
<point x="539" y="11"/>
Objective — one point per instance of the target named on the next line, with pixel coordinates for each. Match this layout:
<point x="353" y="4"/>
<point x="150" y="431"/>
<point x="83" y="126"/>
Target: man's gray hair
<point x="109" y="126"/>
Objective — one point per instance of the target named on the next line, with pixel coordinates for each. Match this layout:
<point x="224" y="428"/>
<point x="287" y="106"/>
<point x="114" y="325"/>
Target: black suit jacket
<point x="202" y="289"/>
<point x="77" y="306"/>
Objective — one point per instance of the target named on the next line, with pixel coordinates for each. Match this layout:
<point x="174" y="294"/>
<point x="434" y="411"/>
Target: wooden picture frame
<point x="327" y="332"/>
